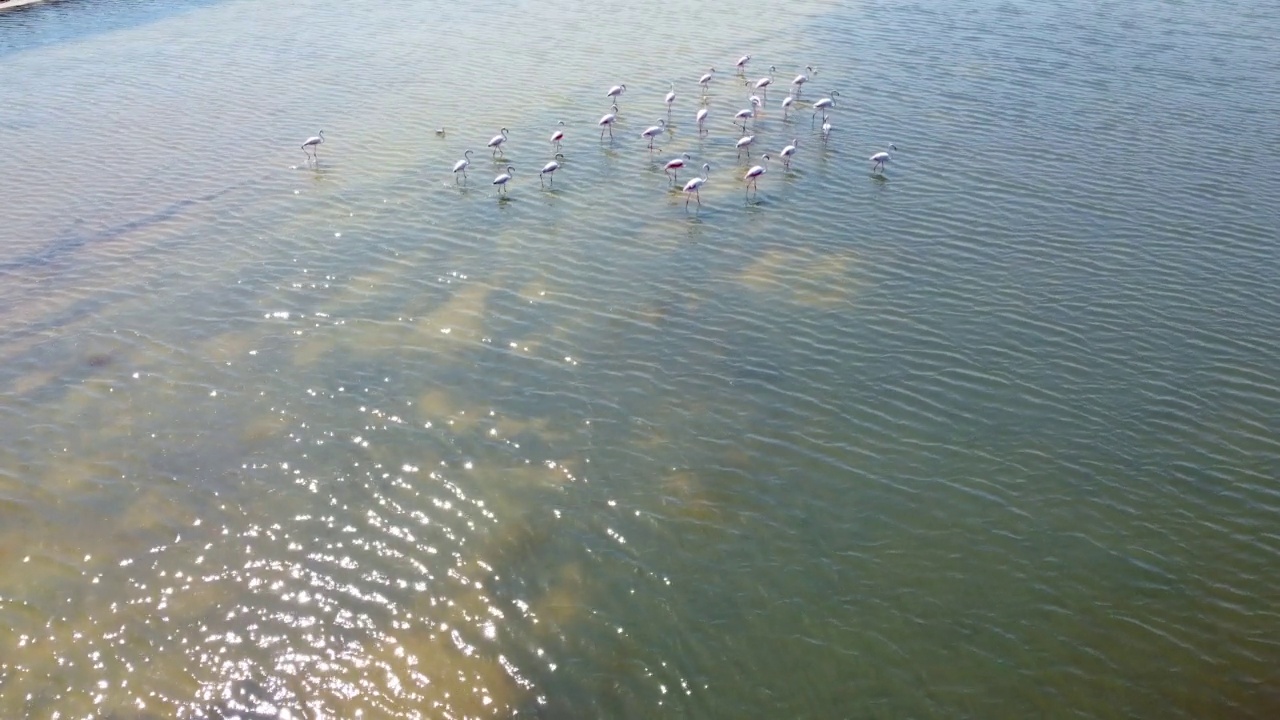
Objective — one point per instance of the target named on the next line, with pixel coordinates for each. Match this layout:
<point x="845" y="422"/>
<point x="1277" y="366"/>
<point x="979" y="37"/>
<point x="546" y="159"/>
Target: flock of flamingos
<point x="672" y="168"/>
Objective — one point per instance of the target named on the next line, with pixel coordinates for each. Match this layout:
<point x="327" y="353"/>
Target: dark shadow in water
<point x="70" y="242"/>
<point x="55" y="21"/>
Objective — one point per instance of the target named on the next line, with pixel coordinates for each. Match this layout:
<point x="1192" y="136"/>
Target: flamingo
<point x="826" y="129"/>
<point x="550" y="168"/>
<point x="787" y="102"/>
<point x="496" y="142"/>
<point x="502" y="180"/>
<point x="557" y="136"/>
<point x="745" y="144"/>
<point x="742" y="115"/>
<point x="693" y="186"/>
<point x="823" y="104"/>
<point x="705" y="80"/>
<point x="313" y="142"/>
<point x="671" y="97"/>
<point x="461" y="165"/>
<point x="615" y="91"/>
<point x="763" y="83"/>
<point x="653" y="131"/>
<point x="753" y="175"/>
<point x="701" y="118"/>
<point x="672" y="168"/>
<point x="882" y="158"/>
<point x="607" y="122"/>
<point x="801" y="79"/>
<point x="742" y="64"/>
<point x="788" y="151"/>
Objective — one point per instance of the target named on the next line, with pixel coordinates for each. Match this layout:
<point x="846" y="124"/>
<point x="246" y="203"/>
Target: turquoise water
<point x="992" y="435"/>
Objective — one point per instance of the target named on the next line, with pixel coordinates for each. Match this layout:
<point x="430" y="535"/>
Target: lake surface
<point x="995" y="434"/>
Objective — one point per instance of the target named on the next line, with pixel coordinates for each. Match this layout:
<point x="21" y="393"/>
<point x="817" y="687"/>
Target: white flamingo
<point x="787" y="102"/>
<point x="801" y="79"/>
<point x="502" y="180"/>
<point x="881" y="159"/>
<point x="557" y="136"/>
<point x="705" y="80"/>
<point x="672" y="168"/>
<point x="756" y="104"/>
<point x="742" y="64"/>
<point x="461" y="165"/>
<point x="653" y="131"/>
<point x="701" y="118"/>
<point x="671" y="97"/>
<point x="606" y="122"/>
<point x="763" y="83"/>
<point x="788" y="151"/>
<point x="694" y="185"/>
<point x="753" y="175"/>
<point x="496" y="142"/>
<point x="615" y="92"/>
<point x="745" y="144"/>
<point x="823" y="104"/>
<point x="550" y="168"/>
<point x="826" y="130"/>
<point x="312" y="142"/>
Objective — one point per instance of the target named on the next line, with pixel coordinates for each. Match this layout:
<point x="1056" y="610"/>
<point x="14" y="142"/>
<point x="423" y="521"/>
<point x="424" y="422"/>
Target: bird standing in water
<point x="313" y="142"/>
<point x="881" y="159"/>
<point x="695" y="184"/>
<point x="502" y="180"/>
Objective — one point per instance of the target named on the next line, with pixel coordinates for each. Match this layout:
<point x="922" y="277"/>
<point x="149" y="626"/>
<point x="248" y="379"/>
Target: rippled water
<point x="993" y="435"/>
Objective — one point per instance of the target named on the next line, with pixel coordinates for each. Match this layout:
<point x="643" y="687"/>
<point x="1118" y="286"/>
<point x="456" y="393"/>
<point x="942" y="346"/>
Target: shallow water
<point x="993" y="435"/>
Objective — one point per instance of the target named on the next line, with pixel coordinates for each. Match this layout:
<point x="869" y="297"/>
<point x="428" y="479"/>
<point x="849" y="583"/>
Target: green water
<point x="991" y="435"/>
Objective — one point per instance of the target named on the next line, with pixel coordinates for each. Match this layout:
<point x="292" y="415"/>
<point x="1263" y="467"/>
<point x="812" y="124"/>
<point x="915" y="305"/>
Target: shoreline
<point x="11" y="4"/>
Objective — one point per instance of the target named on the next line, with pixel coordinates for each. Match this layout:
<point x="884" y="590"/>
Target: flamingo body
<point x="672" y="168"/>
<point x="496" y="142"/>
<point x="788" y="151"/>
<point x="312" y="142"/>
<point x="705" y="80"/>
<point x="753" y="175"/>
<point x="606" y="122"/>
<point x="550" y="168"/>
<point x="653" y="131"/>
<point x="502" y="180"/>
<point x="462" y="165"/>
<point x="693" y="186"/>
<point x="881" y="159"/>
